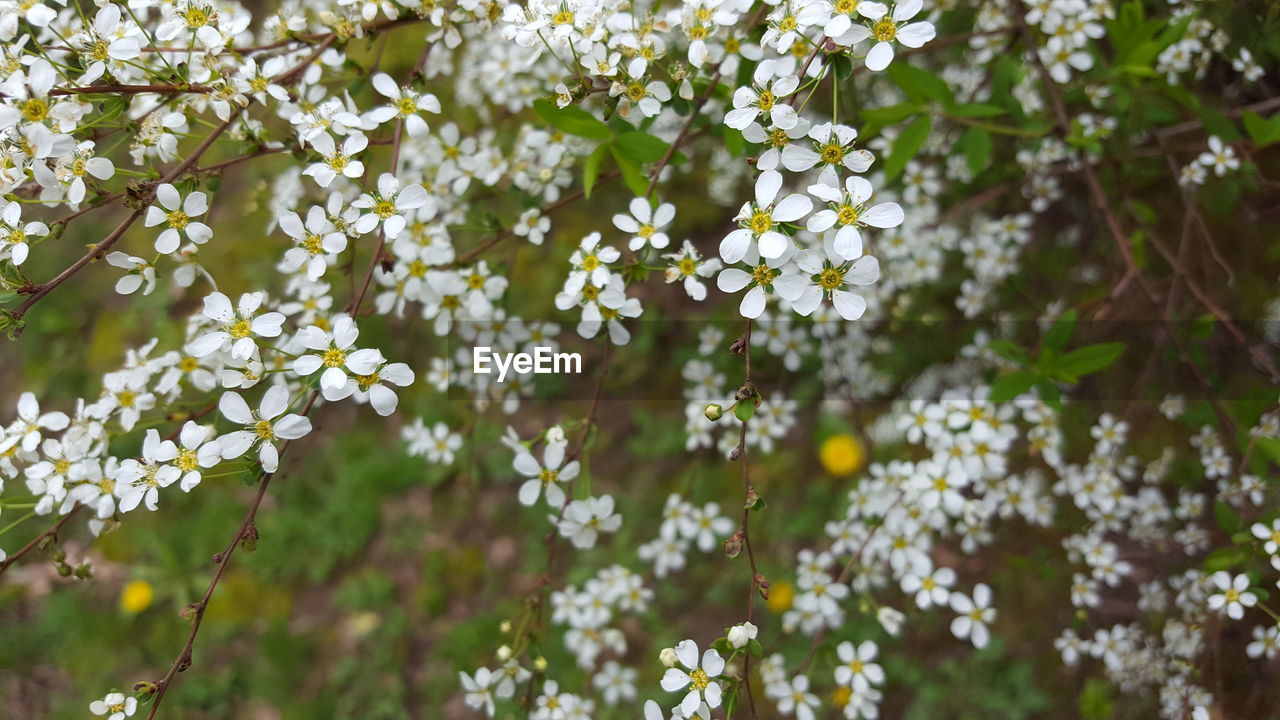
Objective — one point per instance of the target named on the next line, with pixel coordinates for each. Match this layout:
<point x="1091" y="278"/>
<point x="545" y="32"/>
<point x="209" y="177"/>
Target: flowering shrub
<point x="919" y="337"/>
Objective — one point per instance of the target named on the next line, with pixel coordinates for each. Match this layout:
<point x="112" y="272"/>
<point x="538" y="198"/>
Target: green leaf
<point x="920" y="84"/>
<point x="1262" y="132"/>
<point x="573" y="120"/>
<point x="1061" y="330"/>
<point x="1226" y="558"/>
<point x="591" y="169"/>
<point x="642" y="147"/>
<point x="1049" y="393"/>
<point x="632" y="176"/>
<point x="744" y="410"/>
<point x="906" y="145"/>
<point x="755" y="648"/>
<point x="1228" y="520"/>
<point x="1086" y="360"/>
<point x="7" y="298"/>
<point x="1010" y="385"/>
<point x="1095" y="700"/>
<point x="1009" y="350"/>
<point x="891" y="115"/>
<point x="976" y="144"/>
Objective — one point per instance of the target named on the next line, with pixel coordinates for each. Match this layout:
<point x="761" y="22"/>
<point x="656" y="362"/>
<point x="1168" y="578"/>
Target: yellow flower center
<point x="475" y="281"/>
<point x="763" y="275"/>
<point x="832" y="153"/>
<point x="178" y="220"/>
<point x="35" y="109"/>
<point x="761" y="222"/>
<point x="885" y="30"/>
<point x="766" y="100"/>
<point x="126" y="398"/>
<point x="240" y="329"/>
<point x="407" y="106"/>
<point x="333" y="357"/>
<point x="636" y="92"/>
<point x="687" y="266"/>
<point x="590" y="262"/>
<point x="699" y="680"/>
<point x="384" y="209"/>
<point x="186" y="461"/>
<point x="263" y="430"/>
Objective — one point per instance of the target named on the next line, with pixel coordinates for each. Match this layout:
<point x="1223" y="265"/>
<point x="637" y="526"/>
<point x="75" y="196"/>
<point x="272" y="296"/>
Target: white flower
<point x="688" y="265"/>
<point x="975" y="615"/>
<point x="240" y="326"/>
<point x="373" y="386"/>
<point x="645" y="224"/>
<point x="178" y="217"/>
<point x="830" y="279"/>
<point x="334" y="354"/>
<point x="336" y="161"/>
<point x="140" y="272"/>
<point x="858" y="669"/>
<point x="700" y="679"/>
<point x="196" y="449"/>
<point x="740" y="635"/>
<point x="1270" y="534"/>
<point x="796" y="698"/>
<point x="318" y="241"/>
<point x="847" y="210"/>
<point x="545" y="478"/>
<point x="930" y="589"/>
<point x="887" y="29"/>
<point x="1220" y="157"/>
<point x="764" y="97"/>
<point x="115" y="706"/>
<point x="139" y="481"/>
<point x="14" y="234"/>
<point x="1233" y="594"/>
<point x="263" y="427"/>
<point x="406" y="104"/>
<point x="830" y="146"/>
<point x="533" y="225"/>
<point x="477" y="689"/>
<point x="584" y="519"/>
<point x="30" y="424"/>
<point x="759" y="220"/>
<point x="388" y="205"/>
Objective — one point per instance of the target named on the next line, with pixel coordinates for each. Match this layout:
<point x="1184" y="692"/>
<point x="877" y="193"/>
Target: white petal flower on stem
<point x="698" y="677"/>
<point x="545" y="478"/>
<point x="1232" y="595"/>
<point x="975" y="614"/>
<point x="262" y="427"/>
<point x="584" y="520"/>
<point x="240" y="326"/>
<point x="645" y="224"/>
<point x="760" y="221"/>
<point x="178" y="217"/>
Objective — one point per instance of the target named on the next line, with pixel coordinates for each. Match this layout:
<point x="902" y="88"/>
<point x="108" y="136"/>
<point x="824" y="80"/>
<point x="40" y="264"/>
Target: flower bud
<point x="890" y="619"/>
<point x="713" y="412"/>
<point x="505" y="627"/>
<point x="668" y="657"/>
<point x="740" y="635"/>
<point x="504" y="653"/>
<point x="540" y="664"/>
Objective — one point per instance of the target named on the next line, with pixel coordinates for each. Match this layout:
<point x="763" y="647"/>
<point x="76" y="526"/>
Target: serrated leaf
<point x="573" y="120"/>
<point x="906" y="145"/>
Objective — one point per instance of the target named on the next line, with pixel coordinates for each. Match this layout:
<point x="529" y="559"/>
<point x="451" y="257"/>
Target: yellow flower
<point x="780" y="596"/>
<point x="841" y="454"/>
<point x="136" y="596"/>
